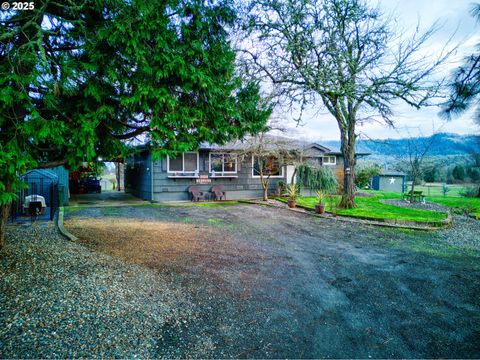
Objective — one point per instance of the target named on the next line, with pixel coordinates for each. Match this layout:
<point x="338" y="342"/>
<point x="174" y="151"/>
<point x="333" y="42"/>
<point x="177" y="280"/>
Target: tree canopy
<point x="465" y="84"/>
<point x="79" y="79"/>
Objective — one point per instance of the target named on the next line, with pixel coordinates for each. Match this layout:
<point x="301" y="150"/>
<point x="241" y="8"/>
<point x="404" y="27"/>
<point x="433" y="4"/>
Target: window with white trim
<point x="270" y="165"/>
<point x="222" y="163"/>
<point x="329" y="160"/>
<point x="184" y="164"/>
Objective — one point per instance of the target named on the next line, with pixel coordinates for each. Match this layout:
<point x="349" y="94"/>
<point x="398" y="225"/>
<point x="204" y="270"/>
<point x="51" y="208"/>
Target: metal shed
<point x="389" y="180"/>
<point x="41" y="186"/>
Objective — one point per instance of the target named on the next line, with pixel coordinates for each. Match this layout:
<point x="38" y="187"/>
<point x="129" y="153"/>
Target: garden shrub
<point x="318" y="178"/>
<point x="469" y="191"/>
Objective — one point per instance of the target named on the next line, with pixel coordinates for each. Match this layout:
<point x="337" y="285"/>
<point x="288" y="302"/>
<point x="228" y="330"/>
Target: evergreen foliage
<point x="79" y="79"/>
<point x="317" y="178"/>
<point x="465" y="84"/>
<point x="458" y="172"/>
<point x="364" y="174"/>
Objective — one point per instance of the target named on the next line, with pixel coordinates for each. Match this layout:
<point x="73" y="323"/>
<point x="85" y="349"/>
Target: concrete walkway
<point x="106" y="198"/>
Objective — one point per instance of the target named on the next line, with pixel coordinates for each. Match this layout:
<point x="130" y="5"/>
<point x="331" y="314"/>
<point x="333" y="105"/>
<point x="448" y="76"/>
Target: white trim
<point x="220" y="173"/>
<point x="329" y="163"/>
<point x="271" y="176"/>
<point x="195" y="173"/>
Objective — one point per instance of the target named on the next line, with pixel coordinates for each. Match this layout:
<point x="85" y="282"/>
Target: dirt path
<point x="270" y="283"/>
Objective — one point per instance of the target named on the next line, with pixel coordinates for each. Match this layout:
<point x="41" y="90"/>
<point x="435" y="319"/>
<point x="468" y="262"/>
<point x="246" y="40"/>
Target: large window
<point x="184" y="164"/>
<point x="329" y="160"/>
<point x="270" y="165"/>
<point x="222" y="163"/>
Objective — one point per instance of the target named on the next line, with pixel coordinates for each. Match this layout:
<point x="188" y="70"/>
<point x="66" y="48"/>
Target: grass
<point x="453" y="199"/>
<point x="432" y="189"/>
<point x="471" y="205"/>
<point x="372" y="208"/>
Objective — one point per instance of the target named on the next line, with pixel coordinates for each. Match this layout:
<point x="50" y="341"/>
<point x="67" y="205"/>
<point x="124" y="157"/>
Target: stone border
<point x="392" y="223"/>
<point x="61" y="228"/>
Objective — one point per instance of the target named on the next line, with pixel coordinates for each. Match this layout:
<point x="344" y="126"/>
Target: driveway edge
<point x="61" y="228"/>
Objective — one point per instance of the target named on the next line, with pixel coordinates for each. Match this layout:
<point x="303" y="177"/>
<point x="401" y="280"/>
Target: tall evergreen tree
<point x="465" y="85"/>
<point x="79" y="79"/>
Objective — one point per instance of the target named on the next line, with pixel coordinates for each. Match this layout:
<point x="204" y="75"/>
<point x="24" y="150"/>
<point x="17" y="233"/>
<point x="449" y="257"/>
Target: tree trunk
<point x="348" y="151"/>
<point x="414" y="179"/>
<point x="292" y="181"/>
<point x="4" y="212"/>
<point x="264" y="187"/>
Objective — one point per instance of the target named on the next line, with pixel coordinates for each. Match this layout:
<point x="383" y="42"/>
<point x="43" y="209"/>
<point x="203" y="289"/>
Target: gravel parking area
<point x="60" y="300"/>
<point x="242" y="281"/>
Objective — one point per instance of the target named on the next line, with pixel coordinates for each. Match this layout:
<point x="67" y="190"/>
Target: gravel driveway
<point x="240" y="281"/>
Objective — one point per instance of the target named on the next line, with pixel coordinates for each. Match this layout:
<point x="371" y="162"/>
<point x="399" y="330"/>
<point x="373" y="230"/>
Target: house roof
<point x="271" y="143"/>
<point x="392" y="173"/>
<point x="275" y="141"/>
<point x="41" y="173"/>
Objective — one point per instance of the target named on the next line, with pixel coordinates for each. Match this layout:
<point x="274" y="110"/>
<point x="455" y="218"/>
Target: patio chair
<point x="195" y="193"/>
<point x="218" y="193"/>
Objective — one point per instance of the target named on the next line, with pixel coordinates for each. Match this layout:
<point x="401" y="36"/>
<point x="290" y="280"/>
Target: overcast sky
<point x="455" y="17"/>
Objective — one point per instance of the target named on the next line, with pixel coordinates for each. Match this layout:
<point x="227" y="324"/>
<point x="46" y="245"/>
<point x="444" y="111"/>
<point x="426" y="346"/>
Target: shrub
<point x="445" y="189"/>
<point x="292" y="191"/>
<point x="469" y="191"/>
<point x="319" y="178"/>
<point x="474" y="174"/>
<point x="365" y="173"/>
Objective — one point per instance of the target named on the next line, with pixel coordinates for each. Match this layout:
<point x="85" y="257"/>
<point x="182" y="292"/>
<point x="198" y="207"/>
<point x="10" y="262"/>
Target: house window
<point x="184" y="164"/>
<point x="223" y="163"/>
<point x="270" y="165"/>
<point x="329" y="160"/>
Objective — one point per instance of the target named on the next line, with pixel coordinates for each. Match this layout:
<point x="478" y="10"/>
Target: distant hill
<point x="445" y="144"/>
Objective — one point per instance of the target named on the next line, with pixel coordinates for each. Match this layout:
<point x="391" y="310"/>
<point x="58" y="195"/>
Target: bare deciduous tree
<point x="342" y="55"/>
<point x="269" y="154"/>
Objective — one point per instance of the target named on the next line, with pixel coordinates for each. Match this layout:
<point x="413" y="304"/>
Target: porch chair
<point x="218" y="193"/>
<point x="195" y="193"/>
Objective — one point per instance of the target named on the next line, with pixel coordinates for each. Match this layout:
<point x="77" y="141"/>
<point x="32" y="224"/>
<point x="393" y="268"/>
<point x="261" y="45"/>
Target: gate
<point x="40" y="190"/>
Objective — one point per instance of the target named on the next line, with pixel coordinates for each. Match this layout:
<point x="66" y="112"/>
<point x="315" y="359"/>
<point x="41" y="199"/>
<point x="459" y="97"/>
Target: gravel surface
<point x="465" y="231"/>
<point x="59" y="299"/>
<point x="418" y="205"/>
<point x="242" y="281"/>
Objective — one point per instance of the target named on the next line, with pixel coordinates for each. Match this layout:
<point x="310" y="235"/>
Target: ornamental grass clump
<point x="292" y="192"/>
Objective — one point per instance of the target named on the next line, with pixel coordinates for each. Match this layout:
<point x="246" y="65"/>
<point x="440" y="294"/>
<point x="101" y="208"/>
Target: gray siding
<point x="244" y="186"/>
<point x="138" y="179"/>
<point x="382" y="183"/>
<point x="62" y="174"/>
<point x="138" y="176"/>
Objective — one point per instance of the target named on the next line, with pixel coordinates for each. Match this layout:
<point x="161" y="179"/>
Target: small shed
<point x="389" y="180"/>
<point x="62" y="174"/>
<point x="40" y="182"/>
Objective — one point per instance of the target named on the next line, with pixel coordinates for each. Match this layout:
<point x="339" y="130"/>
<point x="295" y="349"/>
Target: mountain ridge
<point x="445" y="144"/>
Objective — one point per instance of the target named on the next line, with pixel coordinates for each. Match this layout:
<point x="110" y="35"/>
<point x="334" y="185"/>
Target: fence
<point x="42" y="191"/>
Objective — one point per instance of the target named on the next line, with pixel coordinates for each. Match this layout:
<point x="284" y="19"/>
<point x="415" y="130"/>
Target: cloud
<point x="455" y="17"/>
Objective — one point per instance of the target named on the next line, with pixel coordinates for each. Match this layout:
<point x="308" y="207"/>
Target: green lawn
<point x="435" y="189"/>
<point x="453" y="199"/>
<point x="457" y="202"/>
<point x="373" y="208"/>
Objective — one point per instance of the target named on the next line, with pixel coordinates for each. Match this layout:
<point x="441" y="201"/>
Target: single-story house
<point x="389" y="180"/>
<point x="229" y="166"/>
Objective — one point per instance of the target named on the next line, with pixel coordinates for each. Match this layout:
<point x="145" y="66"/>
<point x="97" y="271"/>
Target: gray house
<point x="168" y="179"/>
<point x="389" y="180"/>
